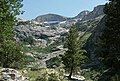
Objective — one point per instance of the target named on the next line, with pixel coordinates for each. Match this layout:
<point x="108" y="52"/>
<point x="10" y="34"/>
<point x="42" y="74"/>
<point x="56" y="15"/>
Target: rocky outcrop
<point x="95" y="13"/>
<point x="38" y="35"/>
<point x="82" y="14"/>
<point x="8" y="74"/>
<point x="40" y="42"/>
<point x="50" y="17"/>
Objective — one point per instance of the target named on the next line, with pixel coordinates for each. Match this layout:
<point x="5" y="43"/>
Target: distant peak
<point x="50" y="17"/>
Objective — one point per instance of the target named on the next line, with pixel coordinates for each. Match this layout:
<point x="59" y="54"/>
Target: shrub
<point x="51" y="75"/>
<point x="56" y="61"/>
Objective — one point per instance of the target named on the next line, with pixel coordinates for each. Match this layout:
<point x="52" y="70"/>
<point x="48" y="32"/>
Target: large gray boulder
<point x="8" y="74"/>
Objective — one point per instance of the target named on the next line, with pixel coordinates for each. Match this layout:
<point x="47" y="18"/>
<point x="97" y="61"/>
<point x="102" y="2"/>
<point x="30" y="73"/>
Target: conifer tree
<point x="74" y="56"/>
<point x="9" y="50"/>
<point x="110" y="39"/>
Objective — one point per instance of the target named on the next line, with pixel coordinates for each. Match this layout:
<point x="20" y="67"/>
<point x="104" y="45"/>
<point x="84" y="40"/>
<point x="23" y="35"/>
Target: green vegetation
<point x="53" y="62"/>
<point x="29" y="40"/>
<point x="33" y="75"/>
<point x="87" y="25"/>
<point x="29" y="59"/>
<point x="45" y="50"/>
<point x="51" y="75"/>
<point x="8" y="11"/>
<point x="11" y="55"/>
<point x="109" y="45"/>
<point x="45" y="74"/>
<point x="10" y="51"/>
<point x="74" y="56"/>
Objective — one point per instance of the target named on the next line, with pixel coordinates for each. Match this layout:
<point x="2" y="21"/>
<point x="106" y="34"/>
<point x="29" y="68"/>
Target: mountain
<point x="82" y="14"/>
<point x="50" y="17"/>
<point x="41" y="39"/>
<point x="95" y="13"/>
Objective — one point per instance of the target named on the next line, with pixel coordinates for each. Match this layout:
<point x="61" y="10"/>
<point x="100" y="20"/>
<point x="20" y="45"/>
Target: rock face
<point x="38" y="35"/>
<point x="95" y="13"/>
<point x="12" y="75"/>
<point x="82" y="14"/>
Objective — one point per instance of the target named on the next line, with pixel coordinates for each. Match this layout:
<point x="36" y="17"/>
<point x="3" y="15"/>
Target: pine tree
<point x="9" y="50"/>
<point x="74" y="56"/>
<point x="110" y="39"/>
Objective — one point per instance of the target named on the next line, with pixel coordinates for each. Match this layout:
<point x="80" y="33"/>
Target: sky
<point x="67" y="8"/>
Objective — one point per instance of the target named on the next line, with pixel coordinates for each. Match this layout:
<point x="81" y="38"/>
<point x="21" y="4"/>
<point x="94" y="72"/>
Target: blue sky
<point x="68" y="8"/>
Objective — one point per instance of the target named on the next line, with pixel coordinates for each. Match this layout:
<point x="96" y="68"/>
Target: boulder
<point x="8" y="74"/>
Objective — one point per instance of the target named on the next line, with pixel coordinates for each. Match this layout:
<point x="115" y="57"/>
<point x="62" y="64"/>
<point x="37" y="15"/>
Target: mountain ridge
<point x="83" y="15"/>
<point x="97" y="11"/>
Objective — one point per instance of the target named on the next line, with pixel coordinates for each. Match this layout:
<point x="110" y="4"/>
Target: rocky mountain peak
<point x="82" y="14"/>
<point x="97" y="11"/>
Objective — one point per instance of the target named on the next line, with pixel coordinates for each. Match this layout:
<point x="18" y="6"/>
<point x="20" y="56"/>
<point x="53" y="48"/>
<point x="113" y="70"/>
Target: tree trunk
<point x="71" y="70"/>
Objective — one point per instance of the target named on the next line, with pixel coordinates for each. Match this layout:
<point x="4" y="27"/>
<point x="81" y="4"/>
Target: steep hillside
<point x="93" y="40"/>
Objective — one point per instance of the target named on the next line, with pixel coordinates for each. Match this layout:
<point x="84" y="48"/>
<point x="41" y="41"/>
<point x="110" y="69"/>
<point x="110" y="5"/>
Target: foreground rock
<point x="8" y="74"/>
<point x="76" y="77"/>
